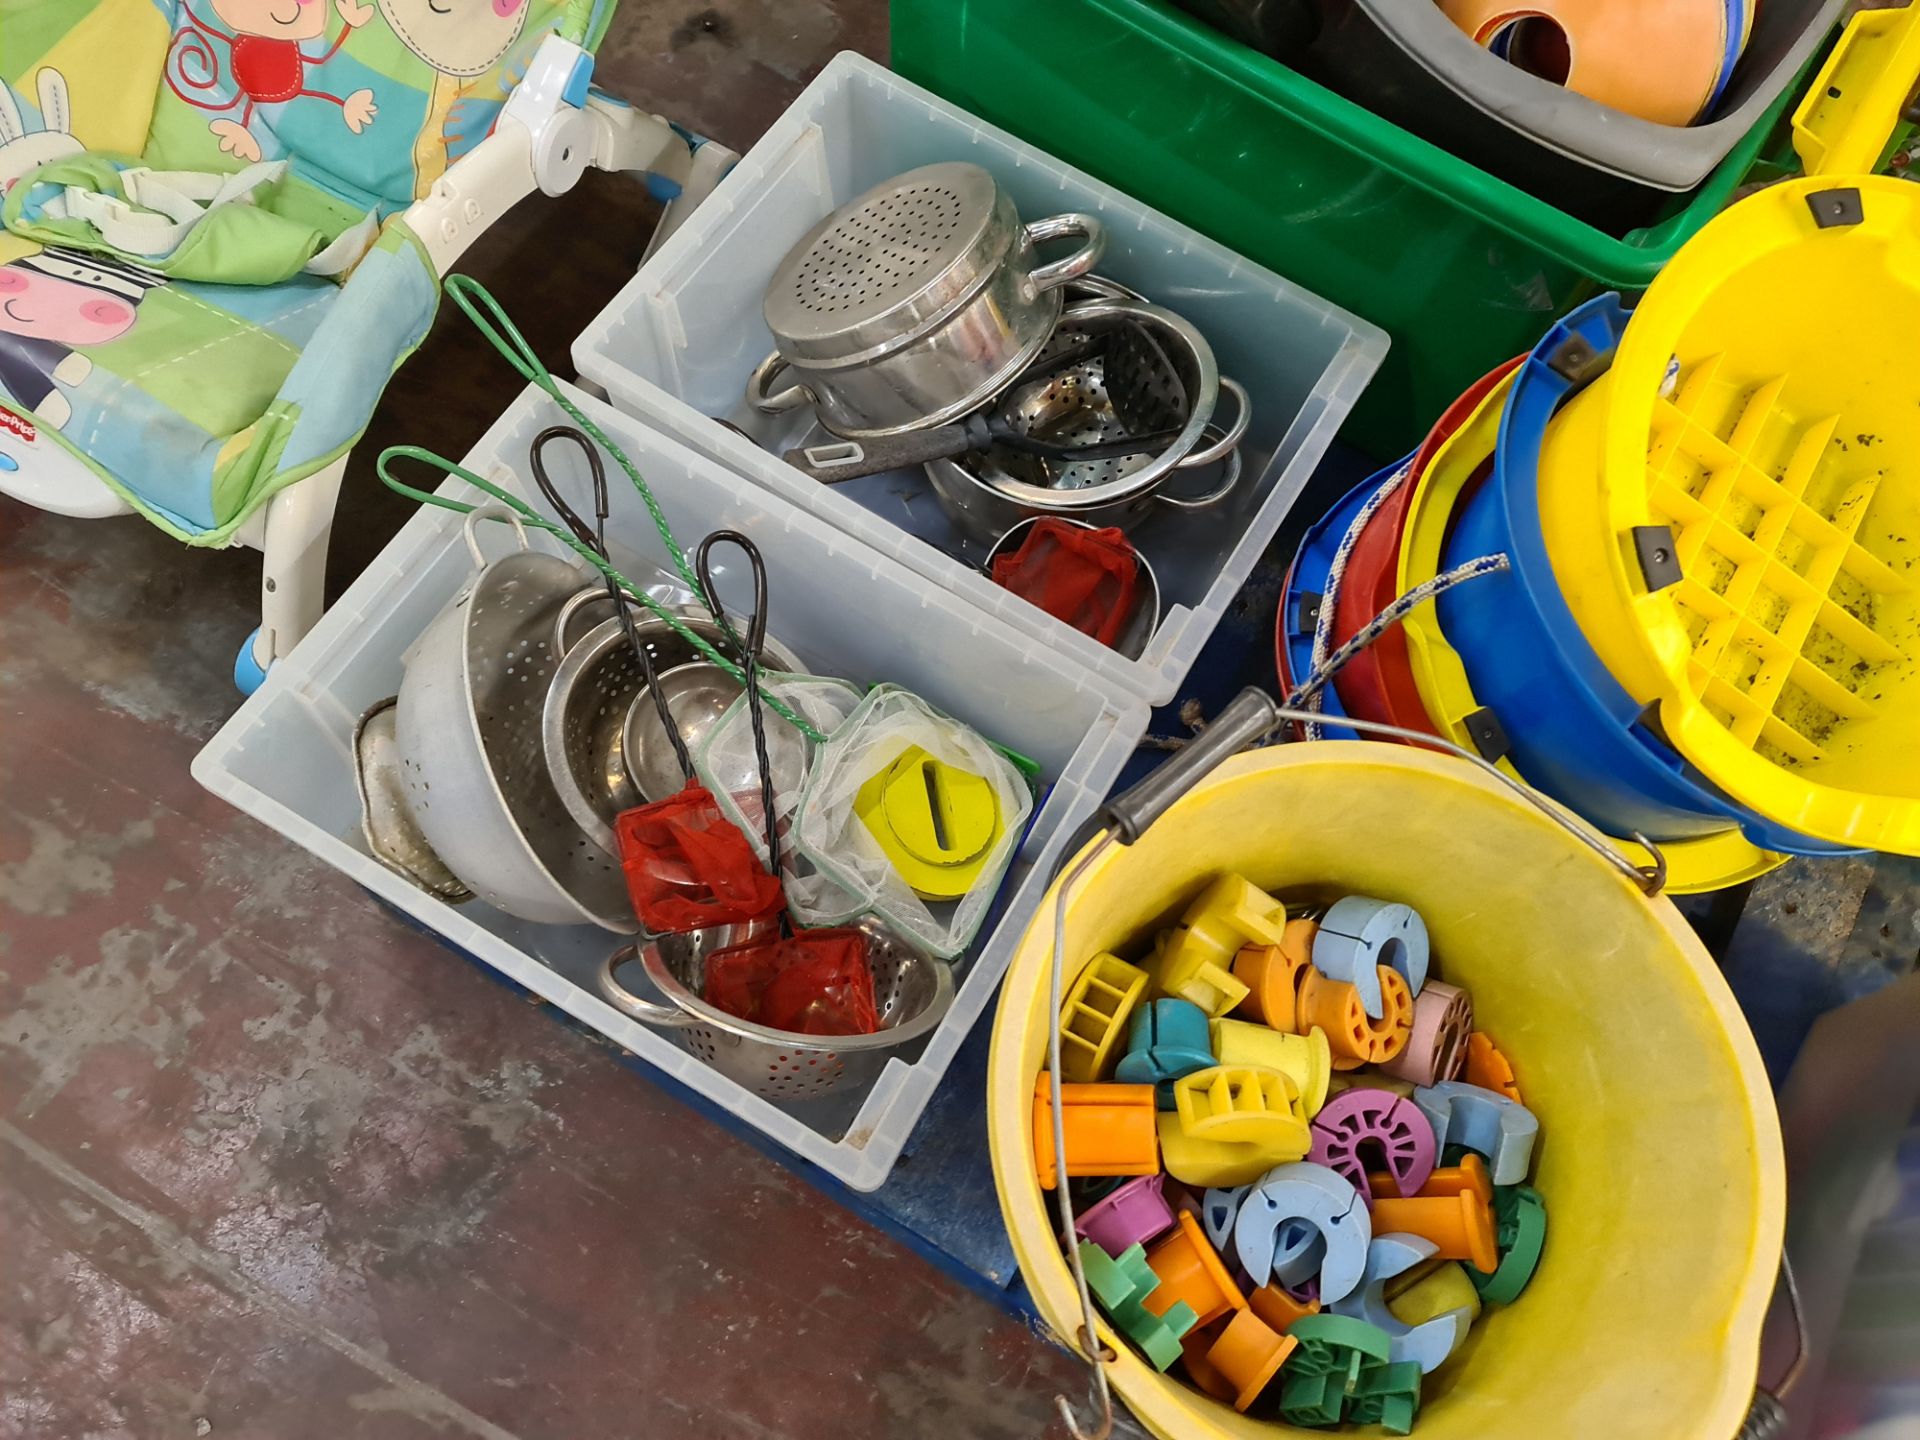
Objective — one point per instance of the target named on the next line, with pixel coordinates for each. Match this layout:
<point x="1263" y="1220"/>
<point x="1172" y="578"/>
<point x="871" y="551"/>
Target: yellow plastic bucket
<point x="1695" y="865"/>
<point x="1660" y="1156"/>
<point x="1786" y="463"/>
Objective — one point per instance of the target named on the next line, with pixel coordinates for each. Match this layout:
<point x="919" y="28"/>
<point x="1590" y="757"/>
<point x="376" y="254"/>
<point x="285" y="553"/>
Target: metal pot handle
<point x="1233" y="434"/>
<point x="1057" y="227"/>
<point x="648" y="1012"/>
<point x="791" y="398"/>
<point x="576" y="602"/>
<point x="1212" y="497"/>
<point x="490" y="512"/>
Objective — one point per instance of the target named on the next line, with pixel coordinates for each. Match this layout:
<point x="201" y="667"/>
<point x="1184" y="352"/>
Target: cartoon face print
<point x="42" y="307"/>
<point x="457" y="37"/>
<point x="274" y="19"/>
<point x="21" y="150"/>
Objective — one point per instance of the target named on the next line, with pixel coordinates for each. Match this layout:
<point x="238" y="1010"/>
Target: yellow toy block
<point x="1306" y="1060"/>
<point x="1222" y="1164"/>
<point x="1448" y="1287"/>
<point x="1094" y="1016"/>
<point x="1241" y="1105"/>
<point x="1183" y="967"/>
<point x="1232" y="912"/>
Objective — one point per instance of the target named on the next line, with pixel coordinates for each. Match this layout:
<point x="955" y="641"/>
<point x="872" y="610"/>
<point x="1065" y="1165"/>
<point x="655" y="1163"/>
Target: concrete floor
<point x="275" y="1165"/>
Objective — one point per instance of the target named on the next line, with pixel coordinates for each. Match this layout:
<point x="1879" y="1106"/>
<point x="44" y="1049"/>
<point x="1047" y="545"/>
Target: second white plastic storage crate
<point x="286" y="756"/>
<point x="676" y="345"/>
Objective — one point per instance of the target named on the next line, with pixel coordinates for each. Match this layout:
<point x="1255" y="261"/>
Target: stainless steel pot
<point x="1147" y="369"/>
<point x="915" y="302"/>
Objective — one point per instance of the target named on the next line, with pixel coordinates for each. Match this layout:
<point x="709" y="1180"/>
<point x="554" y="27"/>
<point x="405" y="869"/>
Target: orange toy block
<point x="1489" y="1069"/>
<point x="1356" y="1038"/>
<point x="1194" y="1346"/>
<point x="1249" y="1353"/>
<point x="1460" y="1225"/>
<point x="1469" y="1177"/>
<point x="1190" y="1269"/>
<point x="1111" y="1130"/>
<point x="1272" y="976"/>
<point x="1279" y="1309"/>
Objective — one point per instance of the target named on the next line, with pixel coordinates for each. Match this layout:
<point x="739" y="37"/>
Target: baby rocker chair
<point x="225" y="223"/>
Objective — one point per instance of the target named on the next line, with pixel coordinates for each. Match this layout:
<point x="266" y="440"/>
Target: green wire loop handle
<point x="500" y="332"/>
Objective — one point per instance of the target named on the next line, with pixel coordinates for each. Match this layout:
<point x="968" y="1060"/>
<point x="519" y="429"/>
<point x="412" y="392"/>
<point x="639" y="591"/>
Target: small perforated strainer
<point x="914" y="302"/>
<point x="911" y="992"/>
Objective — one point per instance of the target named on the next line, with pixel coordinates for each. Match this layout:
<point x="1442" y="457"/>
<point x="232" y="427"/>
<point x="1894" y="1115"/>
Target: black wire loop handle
<point x="749" y="649"/>
<point x="595" y="538"/>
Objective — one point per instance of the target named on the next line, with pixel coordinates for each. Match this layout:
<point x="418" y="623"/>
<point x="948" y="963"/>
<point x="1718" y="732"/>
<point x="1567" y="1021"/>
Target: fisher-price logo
<point x="19" y="425"/>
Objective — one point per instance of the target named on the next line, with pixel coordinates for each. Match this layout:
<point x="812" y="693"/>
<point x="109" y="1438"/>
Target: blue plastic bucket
<point x="1573" y="731"/>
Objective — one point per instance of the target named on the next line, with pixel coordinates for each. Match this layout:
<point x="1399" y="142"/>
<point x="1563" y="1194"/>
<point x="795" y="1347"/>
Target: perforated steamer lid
<point x="891" y="263"/>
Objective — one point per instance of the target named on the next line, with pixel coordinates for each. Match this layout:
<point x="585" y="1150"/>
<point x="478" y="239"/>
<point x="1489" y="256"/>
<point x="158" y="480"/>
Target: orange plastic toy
<point x="1460" y="1225"/>
<point x="1248" y="1354"/>
<point x="1468" y="1177"/>
<point x="1111" y="1130"/>
<point x="1489" y="1069"/>
<point x="1279" y="1309"/>
<point x="1272" y="975"/>
<point x="1190" y="1269"/>
<point x="1194" y="1346"/>
<point x="1357" y="1040"/>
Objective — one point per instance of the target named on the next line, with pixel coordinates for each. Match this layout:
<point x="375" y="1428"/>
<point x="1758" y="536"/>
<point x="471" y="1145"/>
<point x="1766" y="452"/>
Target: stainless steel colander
<point x="911" y="304"/>
<point x="911" y="991"/>
<point x="583" y="721"/>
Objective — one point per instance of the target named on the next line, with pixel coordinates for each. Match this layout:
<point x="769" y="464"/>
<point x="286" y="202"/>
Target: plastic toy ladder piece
<point x="1437" y="1047"/>
<point x="1186" y="967"/>
<point x="1503" y="1130"/>
<point x="1489" y="1069"/>
<point x="1218" y="1210"/>
<point x="1360" y="937"/>
<point x="1249" y="1353"/>
<point x="1362" y="1123"/>
<point x="1242" y="1106"/>
<point x="1132" y="1215"/>
<point x="1388" y="1396"/>
<point x="1220" y="1164"/>
<point x="1271" y="974"/>
<point x="1191" y="1270"/>
<point x="1356" y="1038"/>
<point x="1317" y="1195"/>
<point x="1447" y="1288"/>
<point x="1469" y="1176"/>
<point x="1427" y="1345"/>
<point x="1167" y="1039"/>
<point x="1521" y="1216"/>
<point x="1280" y="1310"/>
<point x="1460" y="1226"/>
<point x="1095" y="1015"/>
<point x="1306" y="1060"/>
<point x="1109" y="1129"/>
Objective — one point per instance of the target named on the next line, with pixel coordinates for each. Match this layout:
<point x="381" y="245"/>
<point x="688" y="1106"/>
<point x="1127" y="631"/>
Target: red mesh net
<point x="688" y="867"/>
<point x="1084" y="577"/>
<point x="817" y="982"/>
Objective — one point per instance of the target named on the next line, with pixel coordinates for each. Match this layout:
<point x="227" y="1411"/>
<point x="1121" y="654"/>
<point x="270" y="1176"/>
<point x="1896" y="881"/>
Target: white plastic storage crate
<point x="286" y="757"/>
<point x="676" y="345"/>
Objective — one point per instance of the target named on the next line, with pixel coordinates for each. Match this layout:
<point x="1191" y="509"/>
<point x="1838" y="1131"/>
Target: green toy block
<point x="1388" y="1396"/>
<point x="1313" y="1400"/>
<point x="1520" y="1220"/>
<point x="1158" y="1336"/>
<point x="1120" y="1285"/>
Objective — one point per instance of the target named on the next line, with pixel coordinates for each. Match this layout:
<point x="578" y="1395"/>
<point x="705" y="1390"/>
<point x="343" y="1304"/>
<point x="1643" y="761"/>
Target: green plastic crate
<point x="1462" y="270"/>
